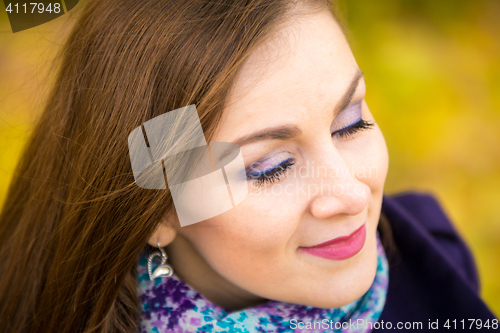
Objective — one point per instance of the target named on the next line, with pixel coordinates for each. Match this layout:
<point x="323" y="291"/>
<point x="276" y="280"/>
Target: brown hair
<point x="74" y="222"/>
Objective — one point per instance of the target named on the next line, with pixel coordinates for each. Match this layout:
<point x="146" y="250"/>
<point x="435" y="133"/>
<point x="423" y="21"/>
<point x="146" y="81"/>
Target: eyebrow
<point x="287" y="132"/>
<point x="349" y="94"/>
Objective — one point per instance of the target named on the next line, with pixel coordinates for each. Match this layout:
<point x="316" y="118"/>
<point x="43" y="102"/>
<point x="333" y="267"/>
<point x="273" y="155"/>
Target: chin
<point x="365" y="272"/>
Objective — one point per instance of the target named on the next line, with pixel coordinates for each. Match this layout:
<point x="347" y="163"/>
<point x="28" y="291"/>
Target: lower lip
<point x="340" y="250"/>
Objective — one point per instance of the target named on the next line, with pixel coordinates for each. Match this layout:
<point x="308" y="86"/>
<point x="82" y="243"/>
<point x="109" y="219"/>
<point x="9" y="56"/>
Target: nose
<point x="341" y="192"/>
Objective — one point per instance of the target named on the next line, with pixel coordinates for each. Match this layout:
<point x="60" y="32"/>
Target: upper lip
<point x="337" y="240"/>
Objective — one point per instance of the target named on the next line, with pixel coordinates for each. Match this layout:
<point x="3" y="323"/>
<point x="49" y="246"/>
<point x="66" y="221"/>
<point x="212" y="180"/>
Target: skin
<point x="253" y="252"/>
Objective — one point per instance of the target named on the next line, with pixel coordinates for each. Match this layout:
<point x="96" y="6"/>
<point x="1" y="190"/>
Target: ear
<point x="166" y="232"/>
<point x="164" y="235"/>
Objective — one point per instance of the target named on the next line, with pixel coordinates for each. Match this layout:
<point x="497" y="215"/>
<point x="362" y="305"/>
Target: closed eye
<point x="350" y="130"/>
<point x="271" y="175"/>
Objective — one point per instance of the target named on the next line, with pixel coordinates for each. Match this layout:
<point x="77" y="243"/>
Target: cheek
<point x="374" y="161"/>
<point x="254" y="234"/>
<point x="369" y="157"/>
<point x="374" y="155"/>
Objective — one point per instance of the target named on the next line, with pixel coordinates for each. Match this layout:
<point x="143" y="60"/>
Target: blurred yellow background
<point x="432" y="70"/>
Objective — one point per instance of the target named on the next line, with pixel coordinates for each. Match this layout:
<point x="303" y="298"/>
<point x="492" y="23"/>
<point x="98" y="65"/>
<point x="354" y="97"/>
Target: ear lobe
<point x="164" y="235"/>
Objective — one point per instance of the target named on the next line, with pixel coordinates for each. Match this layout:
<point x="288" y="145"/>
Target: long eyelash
<point x="272" y="175"/>
<point x="352" y="129"/>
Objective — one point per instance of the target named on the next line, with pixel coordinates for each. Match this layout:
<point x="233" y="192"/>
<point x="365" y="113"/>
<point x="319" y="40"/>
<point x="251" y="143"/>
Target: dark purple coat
<point x="433" y="276"/>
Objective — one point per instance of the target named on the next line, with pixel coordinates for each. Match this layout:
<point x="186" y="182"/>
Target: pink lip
<point x="341" y="247"/>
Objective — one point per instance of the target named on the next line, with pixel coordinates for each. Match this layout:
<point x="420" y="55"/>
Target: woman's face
<point x="302" y="94"/>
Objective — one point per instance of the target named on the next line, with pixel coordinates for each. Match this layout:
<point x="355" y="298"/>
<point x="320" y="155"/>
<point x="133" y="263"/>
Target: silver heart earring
<point x="163" y="269"/>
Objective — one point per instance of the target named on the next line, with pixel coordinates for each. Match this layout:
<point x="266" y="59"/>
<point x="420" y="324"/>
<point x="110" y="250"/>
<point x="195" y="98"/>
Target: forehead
<point x="306" y="66"/>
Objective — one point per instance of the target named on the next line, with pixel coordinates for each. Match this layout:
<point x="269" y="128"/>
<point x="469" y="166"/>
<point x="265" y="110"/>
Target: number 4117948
<point x="35" y="7"/>
<point x="472" y="323"/>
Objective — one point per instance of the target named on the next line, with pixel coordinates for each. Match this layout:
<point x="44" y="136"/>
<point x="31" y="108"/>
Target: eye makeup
<point x="272" y="174"/>
<point x="352" y="129"/>
<point x="348" y="122"/>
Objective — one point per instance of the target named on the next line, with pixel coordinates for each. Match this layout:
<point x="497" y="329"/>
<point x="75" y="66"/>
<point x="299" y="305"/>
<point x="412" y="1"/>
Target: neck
<point x="193" y="269"/>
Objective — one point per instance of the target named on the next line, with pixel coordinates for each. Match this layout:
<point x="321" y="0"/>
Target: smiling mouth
<point x="339" y="248"/>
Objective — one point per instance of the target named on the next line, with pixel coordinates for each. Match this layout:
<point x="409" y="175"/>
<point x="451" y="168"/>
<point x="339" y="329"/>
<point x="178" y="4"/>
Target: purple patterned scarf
<point x="170" y="305"/>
